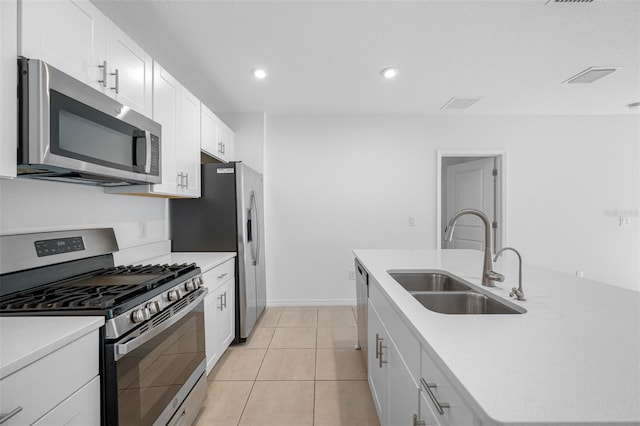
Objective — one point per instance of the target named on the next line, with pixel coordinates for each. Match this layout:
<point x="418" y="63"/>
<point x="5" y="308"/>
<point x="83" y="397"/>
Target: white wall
<point x="335" y="183"/>
<point x="35" y="206"/>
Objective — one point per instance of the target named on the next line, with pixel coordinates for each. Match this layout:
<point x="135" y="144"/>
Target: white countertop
<point x="27" y="339"/>
<point x="205" y="260"/>
<point x="573" y="357"/>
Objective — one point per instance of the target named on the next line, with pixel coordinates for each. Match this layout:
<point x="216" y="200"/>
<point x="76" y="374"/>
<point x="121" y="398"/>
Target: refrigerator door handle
<point x="258" y="225"/>
<point x="254" y="246"/>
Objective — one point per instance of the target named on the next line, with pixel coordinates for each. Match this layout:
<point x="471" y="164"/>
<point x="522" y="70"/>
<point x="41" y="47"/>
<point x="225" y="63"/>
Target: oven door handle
<point x="122" y="349"/>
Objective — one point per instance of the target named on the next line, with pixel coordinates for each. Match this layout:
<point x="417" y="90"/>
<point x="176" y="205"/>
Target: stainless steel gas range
<point x="152" y="349"/>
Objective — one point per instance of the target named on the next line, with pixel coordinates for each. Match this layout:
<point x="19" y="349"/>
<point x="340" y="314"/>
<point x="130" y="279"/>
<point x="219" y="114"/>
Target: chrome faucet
<point x="488" y="275"/>
<point x="517" y="292"/>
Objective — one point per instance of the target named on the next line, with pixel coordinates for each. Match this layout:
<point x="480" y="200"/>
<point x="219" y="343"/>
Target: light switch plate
<point x="625" y="221"/>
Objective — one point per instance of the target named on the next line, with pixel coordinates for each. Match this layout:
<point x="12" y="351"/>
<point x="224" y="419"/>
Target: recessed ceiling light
<point x="591" y="74"/>
<point x="259" y="73"/>
<point x="389" y="73"/>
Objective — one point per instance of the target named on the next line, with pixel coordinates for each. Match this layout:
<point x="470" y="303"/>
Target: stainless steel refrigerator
<point x="229" y="216"/>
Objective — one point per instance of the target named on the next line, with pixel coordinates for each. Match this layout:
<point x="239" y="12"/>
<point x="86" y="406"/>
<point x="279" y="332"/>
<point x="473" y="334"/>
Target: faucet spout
<point x="488" y="275"/>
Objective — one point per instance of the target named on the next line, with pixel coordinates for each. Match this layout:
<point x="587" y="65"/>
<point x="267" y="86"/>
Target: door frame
<point x="502" y="157"/>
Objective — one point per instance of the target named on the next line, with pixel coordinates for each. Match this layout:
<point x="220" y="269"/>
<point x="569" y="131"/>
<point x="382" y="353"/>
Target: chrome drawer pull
<point x="221" y="276"/>
<point x="377" y="346"/>
<point x="6" y="416"/>
<point x="439" y="405"/>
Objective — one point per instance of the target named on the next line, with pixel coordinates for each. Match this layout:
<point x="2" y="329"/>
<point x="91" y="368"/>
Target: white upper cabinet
<point x="69" y="35"/>
<point x="217" y="138"/>
<point x="178" y="112"/>
<point x="129" y="70"/>
<point x="8" y="82"/>
<point x="188" y="144"/>
<point x="75" y="37"/>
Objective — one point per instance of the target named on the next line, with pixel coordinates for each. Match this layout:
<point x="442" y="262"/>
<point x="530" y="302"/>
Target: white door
<point x="469" y="185"/>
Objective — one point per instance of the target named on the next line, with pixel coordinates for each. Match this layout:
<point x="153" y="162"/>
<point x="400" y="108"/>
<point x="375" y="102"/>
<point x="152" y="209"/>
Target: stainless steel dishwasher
<point x="362" y="299"/>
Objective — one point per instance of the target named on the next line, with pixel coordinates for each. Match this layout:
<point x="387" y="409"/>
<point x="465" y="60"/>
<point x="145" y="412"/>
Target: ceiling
<point x="326" y="56"/>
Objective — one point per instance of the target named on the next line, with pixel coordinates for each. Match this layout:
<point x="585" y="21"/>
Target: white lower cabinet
<point x="392" y="386"/>
<point x="62" y="387"/>
<point x="446" y="405"/>
<point x="407" y="386"/>
<point x="219" y="311"/>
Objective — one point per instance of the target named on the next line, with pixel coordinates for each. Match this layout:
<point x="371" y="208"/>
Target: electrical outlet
<point x="142" y="229"/>
<point x="352" y="275"/>
<point x="412" y="221"/>
<point x="625" y="221"/>
<point x="580" y="274"/>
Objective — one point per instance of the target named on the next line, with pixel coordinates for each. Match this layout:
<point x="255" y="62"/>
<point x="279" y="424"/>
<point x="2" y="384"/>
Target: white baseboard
<point x="311" y="302"/>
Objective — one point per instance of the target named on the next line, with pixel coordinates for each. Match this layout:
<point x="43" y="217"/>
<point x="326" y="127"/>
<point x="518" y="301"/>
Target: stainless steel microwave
<point x="71" y="132"/>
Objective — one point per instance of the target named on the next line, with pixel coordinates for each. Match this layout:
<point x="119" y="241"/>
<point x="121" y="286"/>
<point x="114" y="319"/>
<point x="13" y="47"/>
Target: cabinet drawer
<point x="407" y="344"/>
<point x="80" y="409"/>
<point x="219" y="275"/>
<point x="443" y="392"/>
<point x="42" y="385"/>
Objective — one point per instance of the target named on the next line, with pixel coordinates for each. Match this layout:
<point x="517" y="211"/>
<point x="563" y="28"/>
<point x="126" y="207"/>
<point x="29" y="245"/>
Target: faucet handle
<point x="495" y="276"/>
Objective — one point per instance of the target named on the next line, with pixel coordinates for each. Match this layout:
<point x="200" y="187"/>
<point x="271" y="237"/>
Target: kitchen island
<point x="572" y="358"/>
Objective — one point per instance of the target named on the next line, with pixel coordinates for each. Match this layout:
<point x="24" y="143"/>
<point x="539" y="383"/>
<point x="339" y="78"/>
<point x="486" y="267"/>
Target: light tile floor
<point x="299" y="367"/>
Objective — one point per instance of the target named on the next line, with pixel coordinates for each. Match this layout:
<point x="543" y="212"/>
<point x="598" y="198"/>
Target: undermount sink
<point x="462" y="303"/>
<point x="444" y="293"/>
<point x="428" y="281"/>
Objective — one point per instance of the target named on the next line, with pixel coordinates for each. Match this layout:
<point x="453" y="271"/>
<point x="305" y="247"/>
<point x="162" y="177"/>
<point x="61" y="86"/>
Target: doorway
<point x="470" y="179"/>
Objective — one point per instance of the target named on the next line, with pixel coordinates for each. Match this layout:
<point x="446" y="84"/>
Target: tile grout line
<point x="255" y="379"/>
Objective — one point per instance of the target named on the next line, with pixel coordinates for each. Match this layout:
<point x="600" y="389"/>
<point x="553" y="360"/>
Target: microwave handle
<point x="147" y="162"/>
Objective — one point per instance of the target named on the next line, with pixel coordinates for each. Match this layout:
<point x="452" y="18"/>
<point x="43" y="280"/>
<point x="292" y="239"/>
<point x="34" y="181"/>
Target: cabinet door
<point x="376" y="373"/>
<point x="8" y="118"/>
<point x="226" y="142"/>
<point x="227" y="315"/>
<point x="188" y="143"/>
<point x="166" y="104"/>
<point x="68" y="34"/>
<point x="130" y="71"/>
<point x="211" y="304"/>
<point x="403" y="393"/>
<point x="209" y="132"/>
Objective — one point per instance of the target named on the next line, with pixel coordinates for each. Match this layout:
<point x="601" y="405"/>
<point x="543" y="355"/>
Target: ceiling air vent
<point x="460" y="103"/>
<point x="591" y="74"/>
<point x="568" y="1"/>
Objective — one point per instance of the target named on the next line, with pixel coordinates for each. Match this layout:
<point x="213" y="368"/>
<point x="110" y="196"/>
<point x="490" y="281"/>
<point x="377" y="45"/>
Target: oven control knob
<point x="190" y="285"/>
<point x="173" y="295"/>
<point x="199" y="281"/>
<point x="153" y="307"/>
<point x="139" y="315"/>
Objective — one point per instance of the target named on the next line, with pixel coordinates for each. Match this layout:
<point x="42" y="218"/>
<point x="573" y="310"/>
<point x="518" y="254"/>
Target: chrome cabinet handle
<point x="219" y="147"/>
<point x="418" y="423"/>
<point x="6" y="416"/>
<point x="439" y="405"/>
<point x="224" y="148"/>
<point x="377" y="346"/>
<point x="186" y="185"/>
<point x="117" y="76"/>
<point x="221" y="276"/>
<point x="221" y="307"/>
<point x="379" y="350"/>
<point x="103" y="67"/>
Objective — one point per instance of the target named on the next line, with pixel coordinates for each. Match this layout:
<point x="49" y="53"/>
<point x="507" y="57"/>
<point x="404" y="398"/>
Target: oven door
<point x="150" y="374"/>
<point x="71" y="126"/>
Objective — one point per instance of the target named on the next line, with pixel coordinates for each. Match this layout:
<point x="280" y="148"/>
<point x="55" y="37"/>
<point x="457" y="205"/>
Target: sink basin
<point x="428" y="281"/>
<point x="464" y="303"/>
